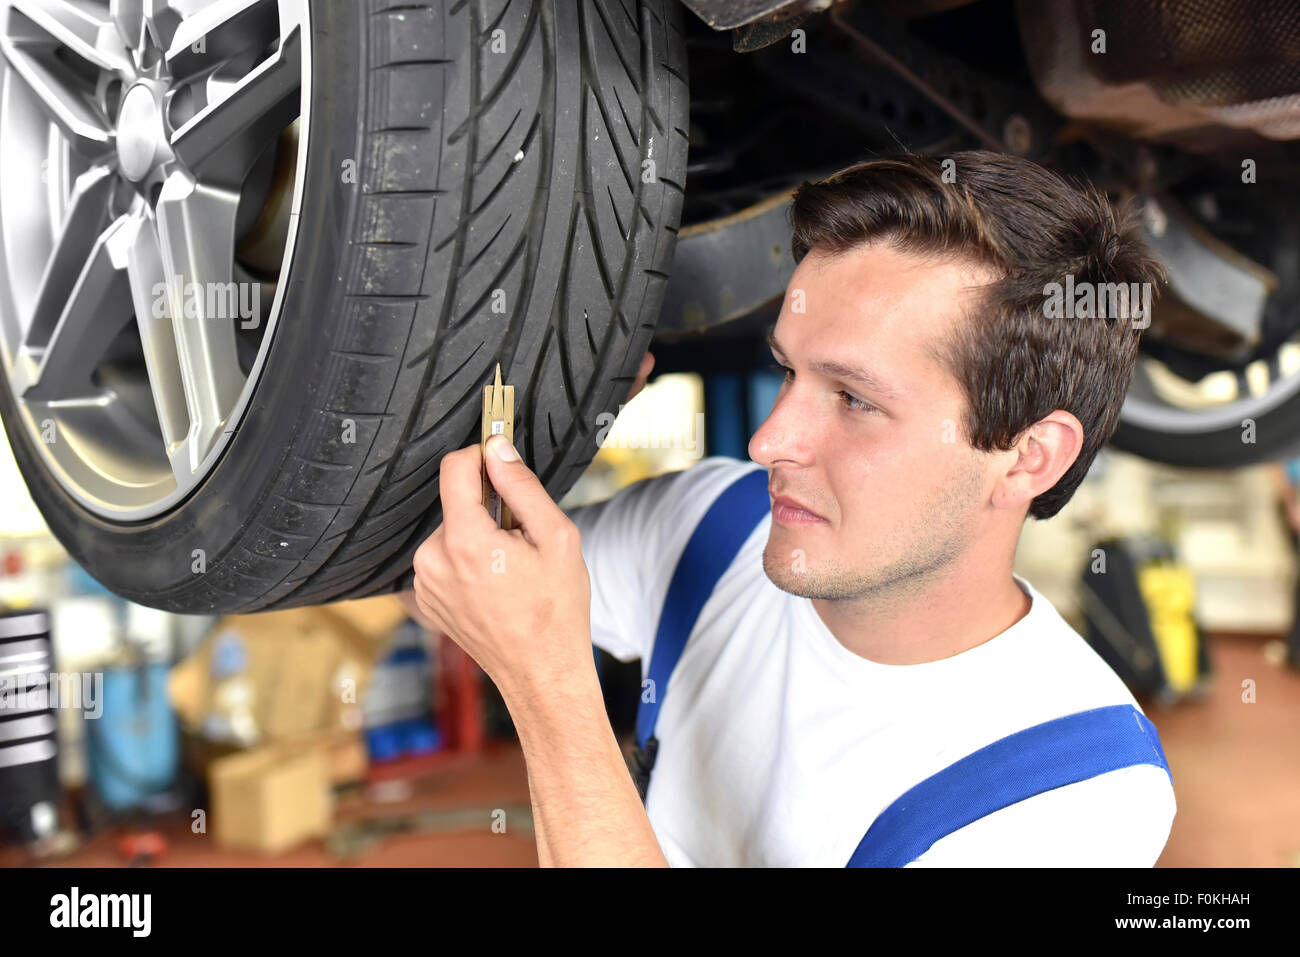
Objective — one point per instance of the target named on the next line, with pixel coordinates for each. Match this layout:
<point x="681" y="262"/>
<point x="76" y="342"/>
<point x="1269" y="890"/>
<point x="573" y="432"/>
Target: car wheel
<point x="259" y="258"/>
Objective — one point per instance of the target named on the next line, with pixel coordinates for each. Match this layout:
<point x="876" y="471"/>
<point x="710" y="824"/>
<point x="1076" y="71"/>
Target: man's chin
<point x="791" y="576"/>
<point x="801" y="588"/>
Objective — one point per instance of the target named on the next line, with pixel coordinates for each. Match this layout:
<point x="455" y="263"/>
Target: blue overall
<point x="1041" y="758"/>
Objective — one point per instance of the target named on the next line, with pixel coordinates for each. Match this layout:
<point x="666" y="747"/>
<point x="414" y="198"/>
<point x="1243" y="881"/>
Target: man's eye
<point x="849" y="400"/>
<point x="853" y="402"/>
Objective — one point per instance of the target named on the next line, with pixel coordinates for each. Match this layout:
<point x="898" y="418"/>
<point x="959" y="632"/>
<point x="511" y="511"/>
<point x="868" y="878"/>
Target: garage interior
<point x="343" y="733"/>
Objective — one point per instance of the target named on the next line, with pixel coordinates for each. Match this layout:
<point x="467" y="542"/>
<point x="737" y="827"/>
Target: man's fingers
<point x="422" y="602"/>
<point x="520" y="489"/>
<point x="416" y="610"/>
<point x="460" y="488"/>
<point x="642" y="374"/>
<point x="462" y="494"/>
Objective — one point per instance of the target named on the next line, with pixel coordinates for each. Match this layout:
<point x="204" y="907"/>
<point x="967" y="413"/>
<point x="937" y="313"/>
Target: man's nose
<point x="786" y="434"/>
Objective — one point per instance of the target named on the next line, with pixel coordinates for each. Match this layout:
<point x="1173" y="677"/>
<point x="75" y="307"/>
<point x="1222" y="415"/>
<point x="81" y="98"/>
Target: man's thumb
<point x="502" y="449"/>
<point x="517" y="485"/>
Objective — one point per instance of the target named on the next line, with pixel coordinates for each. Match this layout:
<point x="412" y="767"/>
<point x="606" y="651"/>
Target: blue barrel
<point x="133" y="747"/>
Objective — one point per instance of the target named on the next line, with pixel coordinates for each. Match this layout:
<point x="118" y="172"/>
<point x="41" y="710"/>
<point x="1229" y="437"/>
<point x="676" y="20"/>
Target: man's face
<point x="882" y="463"/>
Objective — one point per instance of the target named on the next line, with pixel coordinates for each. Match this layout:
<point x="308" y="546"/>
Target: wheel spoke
<point x="221" y="31"/>
<point x="196" y="229"/>
<point x="158" y="339"/>
<point x="87" y="207"/>
<point x="65" y="105"/>
<point x="221" y="142"/>
<point x="161" y="20"/>
<point x="128" y="17"/>
<point x="94" y="39"/>
<point x="95" y="312"/>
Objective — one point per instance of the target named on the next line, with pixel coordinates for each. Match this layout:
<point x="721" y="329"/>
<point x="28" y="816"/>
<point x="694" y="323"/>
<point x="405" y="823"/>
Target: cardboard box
<point x="307" y="667"/>
<point x="270" y="799"/>
<point x="345" y="754"/>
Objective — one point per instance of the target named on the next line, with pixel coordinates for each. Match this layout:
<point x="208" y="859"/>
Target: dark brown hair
<point x="1032" y="227"/>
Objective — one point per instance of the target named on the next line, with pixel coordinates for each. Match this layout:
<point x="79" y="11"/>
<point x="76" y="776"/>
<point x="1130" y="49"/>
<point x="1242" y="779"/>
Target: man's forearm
<point x="586" y="810"/>
<point x="539" y="828"/>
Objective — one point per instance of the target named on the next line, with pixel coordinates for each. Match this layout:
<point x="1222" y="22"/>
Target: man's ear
<point x="1043" y="453"/>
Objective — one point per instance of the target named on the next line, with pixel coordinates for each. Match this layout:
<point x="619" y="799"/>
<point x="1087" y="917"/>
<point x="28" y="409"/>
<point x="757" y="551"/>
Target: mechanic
<point x="867" y="661"/>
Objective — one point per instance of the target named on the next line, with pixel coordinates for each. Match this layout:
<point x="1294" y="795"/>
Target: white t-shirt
<point x="778" y="746"/>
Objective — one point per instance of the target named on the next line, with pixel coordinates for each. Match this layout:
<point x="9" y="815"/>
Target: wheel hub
<point x="140" y="134"/>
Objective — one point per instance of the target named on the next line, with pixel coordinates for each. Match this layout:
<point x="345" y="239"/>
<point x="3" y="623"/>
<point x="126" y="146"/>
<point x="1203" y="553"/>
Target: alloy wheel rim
<point x="150" y="185"/>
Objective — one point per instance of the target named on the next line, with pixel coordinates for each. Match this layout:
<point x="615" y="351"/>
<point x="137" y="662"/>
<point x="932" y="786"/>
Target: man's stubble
<point x="938" y="536"/>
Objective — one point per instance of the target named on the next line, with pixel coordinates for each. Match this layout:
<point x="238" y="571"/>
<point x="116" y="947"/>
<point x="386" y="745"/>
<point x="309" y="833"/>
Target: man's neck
<point x="943" y="617"/>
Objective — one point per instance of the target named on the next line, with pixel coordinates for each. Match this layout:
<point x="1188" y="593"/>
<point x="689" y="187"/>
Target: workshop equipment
<point x="1140" y="610"/>
<point x="29" y="773"/>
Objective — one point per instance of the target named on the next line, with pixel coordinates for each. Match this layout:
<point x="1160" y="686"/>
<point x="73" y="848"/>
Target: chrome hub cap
<point x="140" y="135"/>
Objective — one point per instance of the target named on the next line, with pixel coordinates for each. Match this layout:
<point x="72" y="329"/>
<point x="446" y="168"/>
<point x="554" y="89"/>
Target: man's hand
<point x="416" y="612"/>
<point x="409" y="598"/>
<point x="518" y="601"/>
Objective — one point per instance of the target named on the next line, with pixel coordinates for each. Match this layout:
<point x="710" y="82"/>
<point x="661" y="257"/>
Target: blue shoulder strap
<point x="730" y="520"/>
<point x="1047" y="756"/>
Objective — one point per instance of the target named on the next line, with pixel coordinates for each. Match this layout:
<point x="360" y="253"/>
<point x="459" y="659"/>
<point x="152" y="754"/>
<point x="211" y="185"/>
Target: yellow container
<point x="1170" y="597"/>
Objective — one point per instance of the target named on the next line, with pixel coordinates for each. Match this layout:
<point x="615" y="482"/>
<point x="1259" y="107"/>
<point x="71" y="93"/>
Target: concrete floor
<point x="1235" y="765"/>
<point x="470" y="792"/>
<point x="1236" y="770"/>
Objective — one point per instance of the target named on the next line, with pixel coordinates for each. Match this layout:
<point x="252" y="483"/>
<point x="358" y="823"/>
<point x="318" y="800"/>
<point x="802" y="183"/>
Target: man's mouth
<point x="788" y="511"/>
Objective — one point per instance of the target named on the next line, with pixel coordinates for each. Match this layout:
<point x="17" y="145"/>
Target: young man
<point x="870" y="631"/>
